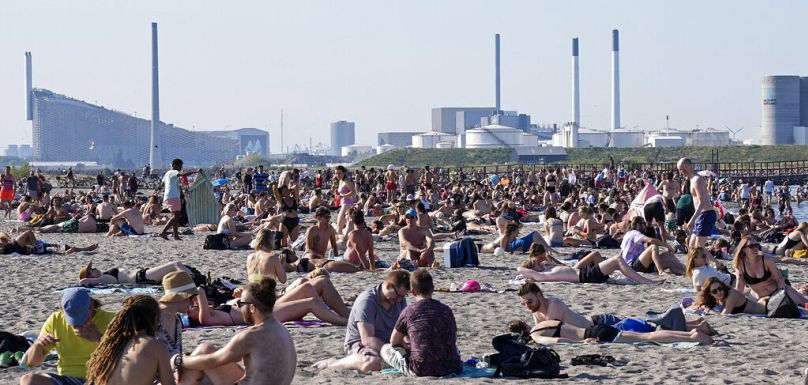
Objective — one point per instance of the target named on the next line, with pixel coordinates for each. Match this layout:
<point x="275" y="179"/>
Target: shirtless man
<point x="390" y="182"/>
<point x="265" y="349"/>
<point x="703" y="221"/>
<point x="670" y="190"/>
<point x="427" y="178"/>
<point x="359" y="250"/>
<point x="410" y="181"/>
<point x="416" y="243"/>
<point x="318" y="237"/>
<point x="128" y="222"/>
<point x="105" y="210"/>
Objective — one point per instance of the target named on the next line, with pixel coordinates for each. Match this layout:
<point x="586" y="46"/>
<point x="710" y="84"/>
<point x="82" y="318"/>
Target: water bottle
<point x="61" y="246"/>
<point x="481" y="365"/>
<point x="186" y="322"/>
<point x="453" y="287"/>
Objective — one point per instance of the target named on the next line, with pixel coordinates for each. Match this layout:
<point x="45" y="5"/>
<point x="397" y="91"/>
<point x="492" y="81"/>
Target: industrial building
<point x="785" y="110"/>
<point x="342" y="134"/>
<point x="456" y="120"/>
<point x="398" y="139"/>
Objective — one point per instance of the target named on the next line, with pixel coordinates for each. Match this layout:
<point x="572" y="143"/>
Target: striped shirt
<point x="260" y="181"/>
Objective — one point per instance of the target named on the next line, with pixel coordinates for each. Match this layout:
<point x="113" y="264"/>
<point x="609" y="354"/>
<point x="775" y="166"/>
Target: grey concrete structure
<point x="342" y="134"/>
<point x="154" y="134"/>
<point x="496" y="70"/>
<point x="615" y="79"/>
<point x="445" y="119"/>
<point x="398" y="139"/>
<point x="804" y="101"/>
<point x="781" y="109"/>
<point x="29" y="101"/>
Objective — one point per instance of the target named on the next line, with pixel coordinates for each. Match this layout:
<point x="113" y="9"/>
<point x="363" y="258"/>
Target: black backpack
<point x="13" y="343"/>
<point x="780" y="305"/>
<point x="607" y="242"/>
<point x="516" y="359"/>
<point x="217" y="242"/>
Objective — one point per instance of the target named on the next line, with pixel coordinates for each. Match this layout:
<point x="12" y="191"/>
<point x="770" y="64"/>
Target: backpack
<point x="460" y="253"/>
<point x="607" y="242"/>
<point x="516" y="359"/>
<point x="217" y="242"/>
<point x="13" y="343"/>
<point x="780" y="305"/>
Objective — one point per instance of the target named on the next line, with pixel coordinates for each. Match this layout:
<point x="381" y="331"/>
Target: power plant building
<point x="785" y="109"/>
<point x="398" y="139"/>
<point x="455" y="120"/>
<point x="342" y="134"/>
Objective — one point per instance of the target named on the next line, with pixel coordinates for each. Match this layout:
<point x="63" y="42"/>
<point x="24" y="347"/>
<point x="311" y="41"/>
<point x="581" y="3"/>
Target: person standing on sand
<point x="265" y="350"/>
<point x="702" y="222"/>
<point x="171" y="197"/>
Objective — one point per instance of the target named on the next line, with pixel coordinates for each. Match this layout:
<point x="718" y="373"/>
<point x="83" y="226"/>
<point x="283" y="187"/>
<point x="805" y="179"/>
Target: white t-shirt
<point x="702" y="274"/>
<point x="171" y="184"/>
<point x="769" y="186"/>
<point x="632" y="245"/>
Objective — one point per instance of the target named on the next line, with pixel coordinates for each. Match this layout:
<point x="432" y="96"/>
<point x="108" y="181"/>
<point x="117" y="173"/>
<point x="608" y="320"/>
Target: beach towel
<point x="129" y="290"/>
<point x="306" y="324"/>
<point x="201" y="202"/>
<point x="468" y="372"/>
<point x="146" y="235"/>
<point x="719" y="308"/>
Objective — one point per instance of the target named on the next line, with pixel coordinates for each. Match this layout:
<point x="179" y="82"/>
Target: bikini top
<point x="755" y="280"/>
<point x="292" y="207"/>
<point x="557" y="328"/>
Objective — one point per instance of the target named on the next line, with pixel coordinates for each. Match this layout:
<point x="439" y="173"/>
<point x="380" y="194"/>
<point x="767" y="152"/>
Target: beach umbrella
<point x="219" y="182"/>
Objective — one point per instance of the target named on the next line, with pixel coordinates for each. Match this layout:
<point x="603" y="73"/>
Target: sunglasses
<point x="241" y="303"/>
<point x="753" y="245"/>
<point x="717" y="290"/>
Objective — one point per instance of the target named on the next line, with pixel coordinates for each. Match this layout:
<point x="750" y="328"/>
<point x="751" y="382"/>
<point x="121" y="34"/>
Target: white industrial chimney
<point x="615" y="80"/>
<point x="576" y="98"/>
<point x="154" y="142"/>
<point x="496" y="65"/>
<point x="29" y="97"/>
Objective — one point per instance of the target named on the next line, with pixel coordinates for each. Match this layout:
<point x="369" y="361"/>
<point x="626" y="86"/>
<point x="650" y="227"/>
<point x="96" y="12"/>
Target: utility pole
<point x="283" y="151"/>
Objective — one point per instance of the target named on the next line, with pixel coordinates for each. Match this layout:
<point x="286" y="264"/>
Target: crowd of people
<point x="303" y="226"/>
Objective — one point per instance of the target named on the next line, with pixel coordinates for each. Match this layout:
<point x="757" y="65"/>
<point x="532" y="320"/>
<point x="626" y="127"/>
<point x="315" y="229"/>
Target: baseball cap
<point x="410" y="197"/>
<point x="411" y="212"/>
<point x="76" y="305"/>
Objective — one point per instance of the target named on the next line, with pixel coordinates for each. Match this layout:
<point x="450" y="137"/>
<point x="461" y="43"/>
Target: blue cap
<point x="76" y="304"/>
<point x="411" y="212"/>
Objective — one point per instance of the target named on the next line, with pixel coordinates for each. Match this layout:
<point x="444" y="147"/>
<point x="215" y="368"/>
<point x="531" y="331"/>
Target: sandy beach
<point x="748" y="349"/>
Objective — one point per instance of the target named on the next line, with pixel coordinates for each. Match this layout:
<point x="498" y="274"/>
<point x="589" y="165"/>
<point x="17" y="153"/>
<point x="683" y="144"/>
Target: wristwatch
<point x="177" y="360"/>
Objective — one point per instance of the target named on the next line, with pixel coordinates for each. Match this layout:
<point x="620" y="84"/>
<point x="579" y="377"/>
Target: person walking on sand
<point x="7" y="183"/>
<point x="171" y="196"/>
<point x="702" y="222"/>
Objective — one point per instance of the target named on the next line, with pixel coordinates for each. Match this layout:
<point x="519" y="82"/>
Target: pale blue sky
<point x="384" y="64"/>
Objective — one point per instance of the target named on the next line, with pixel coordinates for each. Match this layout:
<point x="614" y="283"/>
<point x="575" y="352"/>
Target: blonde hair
<point x="319" y="271"/>
<point x="691" y="260"/>
<point x="227" y="208"/>
<point x="265" y="239"/>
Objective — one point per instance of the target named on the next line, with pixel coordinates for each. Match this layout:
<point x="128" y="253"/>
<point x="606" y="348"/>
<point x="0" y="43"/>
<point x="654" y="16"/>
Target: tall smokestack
<point x="496" y="64"/>
<point x="576" y="98"/>
<point x="615" y="79"/>
<point x="29" y="97"/>
<point x="154" y="143"/>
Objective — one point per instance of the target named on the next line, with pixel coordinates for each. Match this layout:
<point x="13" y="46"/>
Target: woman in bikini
<point x="275" y="264"/>
<point x="89" y="275"/>
<point x="288" y="204"/>
<point x="554" y="332"/>
<point x="759" y="273"/>
<point x="715" y="292"/>
<point x="592" y="268"/>
<point x="585" y="231"/>
<point x="795" y="240"/>
<point x="553" y="228"/>
<point x="228" y="226"/>
<point x="346" y="190"/>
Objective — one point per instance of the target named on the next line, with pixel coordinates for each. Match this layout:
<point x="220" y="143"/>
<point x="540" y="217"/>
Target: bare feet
<point x="164" y="236"/>
<point x="702" y="338"/>
<point x="324" y="364"/>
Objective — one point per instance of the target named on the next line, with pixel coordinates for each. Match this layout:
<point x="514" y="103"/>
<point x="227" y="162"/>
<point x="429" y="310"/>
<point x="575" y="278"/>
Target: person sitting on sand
<point x="127" y="222"/>
<point x="88" y="275"/>
<point x="26" y="243"/>
<point x="105" y="210"/>
<point x="316" y="296"/>
<point x="510" y="241"/>
<point x="151" y="212"/>
<point x="370" y="325"/>
<point x="130" y="352"/>
<point x="759" y="273"/>
<point x="553" y="228"/>
<point x="555" y="332"/>
<point x="648" y="259"/>
<point x="416" y="243"/>
<point x="228" y="226"/>
<point x="592" y="268"/>
<point x="430" y="331"/>
<point x="795" y="240"/>
<point x="318" y="237"/>
<point x="264" y="353"/>
<point x="699" y="270"/>
<point x="585" y="231"/>
<point x="77" y="224"/>
<point x="359" y="249"/>
<point x="715" y="292"/>
<point x="74" y="331"/>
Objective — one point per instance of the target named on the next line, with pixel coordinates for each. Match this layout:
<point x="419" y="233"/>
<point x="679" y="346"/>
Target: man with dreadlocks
<point x="75" y="332"/>
<point x="130" y="353"/>
<point x="265" y="349"/>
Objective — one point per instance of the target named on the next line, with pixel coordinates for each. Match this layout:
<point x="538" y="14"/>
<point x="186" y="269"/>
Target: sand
<point x="749" y="350"/>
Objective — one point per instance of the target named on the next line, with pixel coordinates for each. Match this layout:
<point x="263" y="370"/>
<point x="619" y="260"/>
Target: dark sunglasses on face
<point x="717" y="290"/>
<point x="753" y="245"/>
<point x="241" y="303"/>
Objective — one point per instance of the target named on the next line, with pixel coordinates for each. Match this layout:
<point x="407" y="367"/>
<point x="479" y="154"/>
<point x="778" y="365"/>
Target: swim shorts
<point x="7" y="195"/>
<point x="70" y="226"/>
<point x="128" y="230"/>
<point x="174" y="204"/>
<point x="522" y="244"/>
<point x="602" y="333"/>
<point x="638" y="267"/>
<point x="591" y="274"/>
<point x="605" y="319"/>
<point x="705" y="223"/>
<point x="390" y="186"/>
<point x="654" y="212"/>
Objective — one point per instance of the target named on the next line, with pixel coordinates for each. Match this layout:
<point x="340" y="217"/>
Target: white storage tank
<point x="627" y="139"/>
<point x="431" y="139"/>
<point x="530" y="140"/>
<point x="444" y="145"/>
<point x="384" y="148"/>
<point x="494" y="136"/>
<point x="592" y="138"/>
<point x="356" y="149"/>
<point x="666" y="141"/>
<point x="710" y="137"/>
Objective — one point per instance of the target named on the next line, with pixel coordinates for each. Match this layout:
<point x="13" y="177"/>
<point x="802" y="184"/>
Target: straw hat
<point x="85" y="271"/>
<point x="178" y="286"/>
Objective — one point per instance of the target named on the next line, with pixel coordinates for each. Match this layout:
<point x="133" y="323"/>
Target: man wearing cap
<point x="370" y="325"/>
<point x="75" y="332"/>
<point x="172" y="198"/>
<point x="417" y="244"/>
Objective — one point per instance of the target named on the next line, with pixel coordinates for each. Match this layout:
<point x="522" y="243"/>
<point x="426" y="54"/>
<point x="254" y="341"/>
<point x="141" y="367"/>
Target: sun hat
<point x="178" y="286"/>
<point x="85" y="270"/>
<point x="76" y="305"/>
<point x="390" y="167"/>
<point x="470" y="286"/>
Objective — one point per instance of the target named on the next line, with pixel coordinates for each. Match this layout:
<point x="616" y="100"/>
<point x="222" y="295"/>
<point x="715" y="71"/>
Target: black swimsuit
<point x="740" y="308"/>
<point x="289" y="222"/>
<point x="755" y="280"/>
<point x="603" y="333"/>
